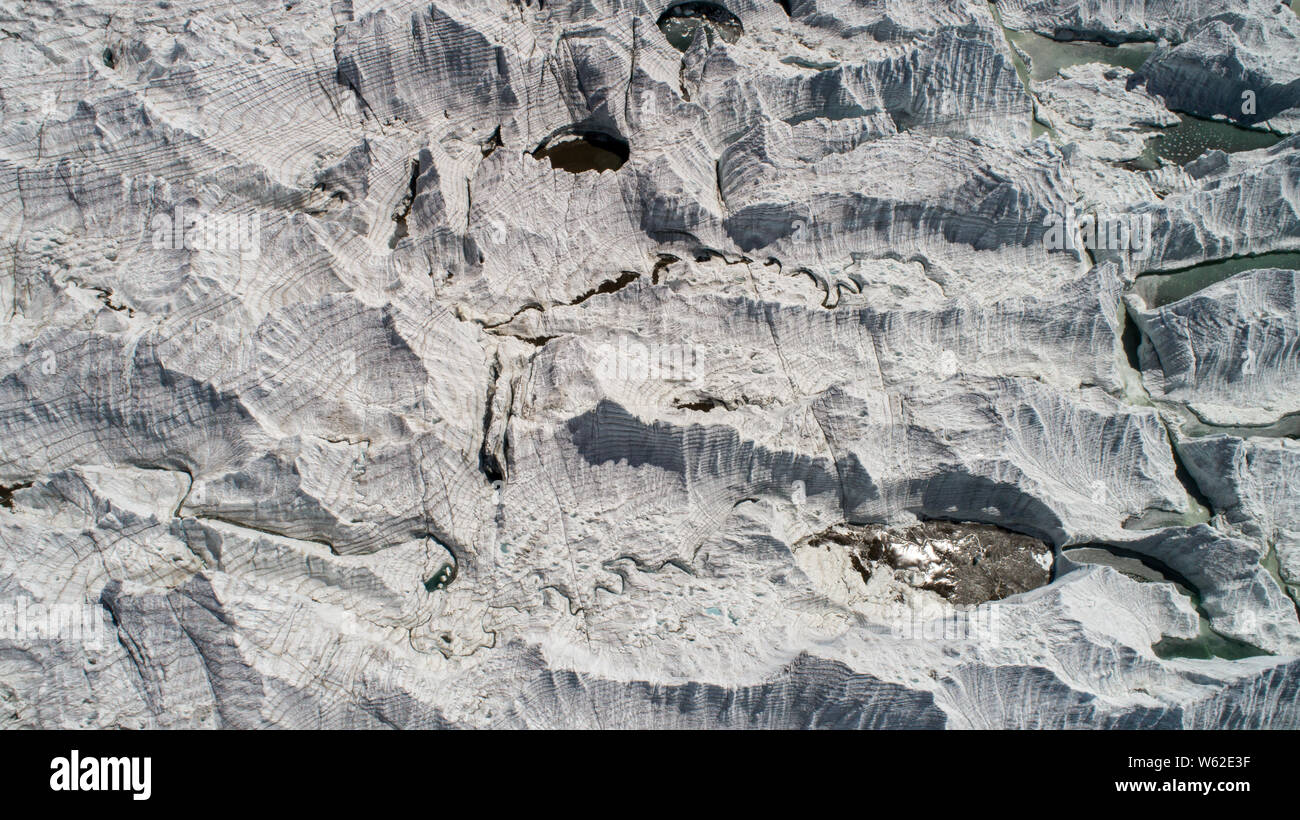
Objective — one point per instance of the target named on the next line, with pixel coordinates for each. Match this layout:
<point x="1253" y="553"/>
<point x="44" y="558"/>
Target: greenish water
<point x="441" y="579"/>
<point x="1205" y="646"/>
<point x="1036" y="127"/>
<point x="1160" y="289"/>
<point x="1139" y="568"/>
<point x="1271" y="563"/>
<point x="1208" y="643"/>
<point x="1192" y="136"/>
<point x="1286" y="427"/>
<point x="1047" y="56"/>
<point x="1178" y="144"/>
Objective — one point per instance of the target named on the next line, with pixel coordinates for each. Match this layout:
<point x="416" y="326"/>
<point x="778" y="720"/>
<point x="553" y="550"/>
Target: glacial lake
<point x="1047" y="56"/>
<point x="1193" y="136"/>
<point x="1178" y="144"/>
<point x="1207" y="644"/>
<point x="1160" y="289"/>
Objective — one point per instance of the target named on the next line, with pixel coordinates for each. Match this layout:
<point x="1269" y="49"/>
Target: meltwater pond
<point x="1207" y="644"/>
<point x="1038" y="58"/>
<point x="1179" y="144"/>
<point x="1193" y="136"/>
<point x="680" y="23"/>
<point x="1047" y="56"/>
<point x="1160" y="289"/>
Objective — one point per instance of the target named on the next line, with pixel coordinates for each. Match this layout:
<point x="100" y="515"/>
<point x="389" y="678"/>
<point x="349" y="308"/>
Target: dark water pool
<point x="682" y="22"/>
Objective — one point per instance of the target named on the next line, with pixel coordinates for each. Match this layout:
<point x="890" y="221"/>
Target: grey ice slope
<point x="403" y="460"/>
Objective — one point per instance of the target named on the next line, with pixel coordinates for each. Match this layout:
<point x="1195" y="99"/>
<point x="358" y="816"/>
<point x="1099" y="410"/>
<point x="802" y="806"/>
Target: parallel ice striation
<point x="1229" y="352"/>
<point x="451" y="432"/>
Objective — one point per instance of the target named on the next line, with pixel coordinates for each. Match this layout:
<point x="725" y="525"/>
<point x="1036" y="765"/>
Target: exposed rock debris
<point x="965" y="563"/>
